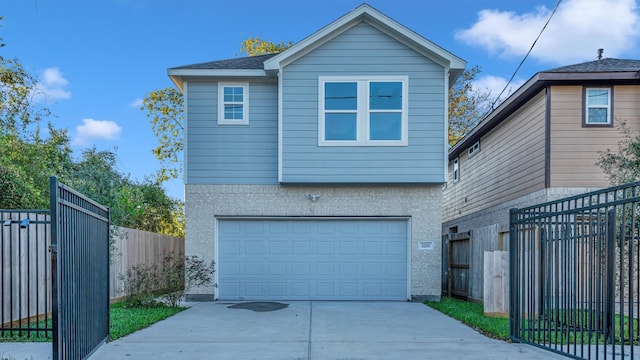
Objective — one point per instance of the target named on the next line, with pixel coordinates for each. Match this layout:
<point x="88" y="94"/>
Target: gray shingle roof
<point x="250" y="62"/>
<point x="603" y="65"/>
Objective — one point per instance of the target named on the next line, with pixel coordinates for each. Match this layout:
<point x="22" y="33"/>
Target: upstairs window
<point x="598" y="106"/>
<point x="233" y="104"/>
<point x="358" y="111"/>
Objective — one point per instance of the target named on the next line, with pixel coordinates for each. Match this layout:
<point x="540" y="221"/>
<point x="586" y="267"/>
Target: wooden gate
<point x="456" y="263"/>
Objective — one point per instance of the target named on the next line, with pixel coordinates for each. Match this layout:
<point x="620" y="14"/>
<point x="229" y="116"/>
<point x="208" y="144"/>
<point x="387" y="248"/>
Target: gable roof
<point x="605" y="71"/>
<point x="270" y="65"/>
<point x="383" y="23"/>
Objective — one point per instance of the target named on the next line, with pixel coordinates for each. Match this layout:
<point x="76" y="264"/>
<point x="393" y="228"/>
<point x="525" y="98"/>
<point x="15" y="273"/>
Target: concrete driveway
<point x="314" y="330"/>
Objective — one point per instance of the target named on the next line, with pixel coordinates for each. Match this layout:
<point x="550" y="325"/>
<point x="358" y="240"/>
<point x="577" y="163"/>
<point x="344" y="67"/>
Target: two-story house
<point x="541" y="144"/>
<point x="316" y="173"/>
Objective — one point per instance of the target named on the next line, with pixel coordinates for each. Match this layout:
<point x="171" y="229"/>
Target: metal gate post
<point x="514" y="300"/>
<point x="610" y="277"/>
<point x="53" y="198"/>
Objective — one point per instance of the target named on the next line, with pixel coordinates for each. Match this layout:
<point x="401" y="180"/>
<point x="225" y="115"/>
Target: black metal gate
<point x="575" y="274"/>
<point x="80" y="269"/>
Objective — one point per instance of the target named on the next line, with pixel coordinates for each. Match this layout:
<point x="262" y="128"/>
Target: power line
<point x="525" y="57"/>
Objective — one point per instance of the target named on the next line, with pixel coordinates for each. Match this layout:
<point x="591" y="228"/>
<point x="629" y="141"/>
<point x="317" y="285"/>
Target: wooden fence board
<point x="496" y="283"/>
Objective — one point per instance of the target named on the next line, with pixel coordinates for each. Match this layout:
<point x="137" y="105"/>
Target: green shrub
<point x="169" y="281"/>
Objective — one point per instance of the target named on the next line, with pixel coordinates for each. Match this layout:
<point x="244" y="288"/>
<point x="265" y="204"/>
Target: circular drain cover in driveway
<point x="259" y="306"/>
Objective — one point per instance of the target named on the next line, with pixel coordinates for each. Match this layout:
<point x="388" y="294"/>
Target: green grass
<point x="122" y="322"/>
<point x="557" y="327"/>
<point x="472" y="314"/>
<point x="580" y="327"/>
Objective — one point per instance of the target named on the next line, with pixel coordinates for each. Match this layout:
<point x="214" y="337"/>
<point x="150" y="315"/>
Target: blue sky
<point x="96" y="59"/>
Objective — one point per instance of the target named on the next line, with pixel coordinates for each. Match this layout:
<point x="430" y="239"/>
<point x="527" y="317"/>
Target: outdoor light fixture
<point x="7" y="222"/>
<point x="313" y="197"/>
<point x="24" y="223"/>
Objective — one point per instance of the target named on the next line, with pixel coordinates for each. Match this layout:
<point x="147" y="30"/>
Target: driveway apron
<point x="313" y="330"/>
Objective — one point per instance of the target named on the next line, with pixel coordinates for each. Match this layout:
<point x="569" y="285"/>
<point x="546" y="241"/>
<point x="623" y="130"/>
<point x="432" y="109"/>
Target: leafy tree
<point x="139" y="205"/>
<point x="255" y="46"/>
<point x="28" y="161"/>
<point x="622" y="166"/>
<point x="17" y="90"/>
<point x="165" y="109"/>
<point x="467" y="105"/>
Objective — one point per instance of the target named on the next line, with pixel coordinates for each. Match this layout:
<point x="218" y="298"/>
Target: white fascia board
<point x="218" y="72"/>
<point x="177" y="75"/>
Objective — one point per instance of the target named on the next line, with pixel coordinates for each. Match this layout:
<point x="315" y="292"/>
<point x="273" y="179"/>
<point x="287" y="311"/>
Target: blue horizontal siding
<point x="231" y="154"/>
<point x="363" y="51"/>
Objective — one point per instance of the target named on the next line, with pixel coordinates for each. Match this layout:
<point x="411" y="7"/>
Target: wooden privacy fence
<point x="25" y="263"/>
<point x="496" y="283"/>
<point x="137" y="247"/>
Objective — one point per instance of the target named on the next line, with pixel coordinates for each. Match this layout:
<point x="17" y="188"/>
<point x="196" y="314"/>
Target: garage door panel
<point x="312" y="259"/>
<point x="348" y="247"/>
<point x="278" y="247"/>
<point x="253" y="247"/>
<point x="253" y="268"/>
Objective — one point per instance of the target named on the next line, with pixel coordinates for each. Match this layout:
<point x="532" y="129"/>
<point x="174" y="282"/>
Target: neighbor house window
<point x="598" y="106"/>
<point x="456" y="170"/>
<point x="233" y="103"/>
<point x="359" y="111"/>
<point x="474" y="149"/>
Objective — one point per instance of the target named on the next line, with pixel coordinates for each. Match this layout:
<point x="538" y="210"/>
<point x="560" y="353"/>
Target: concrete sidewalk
<point x="308" y="330"/>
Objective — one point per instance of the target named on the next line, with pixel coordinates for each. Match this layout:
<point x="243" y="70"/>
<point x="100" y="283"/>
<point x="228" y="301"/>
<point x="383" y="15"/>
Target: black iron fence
<point x="575" y="274"/>
<point x="25" y="282"/>
<point x="80" y="267"/>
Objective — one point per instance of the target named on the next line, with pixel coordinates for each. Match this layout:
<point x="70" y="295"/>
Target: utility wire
<point x="525" y="57"/>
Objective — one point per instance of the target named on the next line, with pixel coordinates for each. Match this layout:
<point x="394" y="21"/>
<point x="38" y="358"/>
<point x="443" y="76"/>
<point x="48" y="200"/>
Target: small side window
<point x="233" y="104"/>
<point x="474" y="149"/>
<point x="456" y="170"/>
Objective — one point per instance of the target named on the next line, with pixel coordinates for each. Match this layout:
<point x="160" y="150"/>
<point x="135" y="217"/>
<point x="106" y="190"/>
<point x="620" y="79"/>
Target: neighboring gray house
<point x="316" y="173"/>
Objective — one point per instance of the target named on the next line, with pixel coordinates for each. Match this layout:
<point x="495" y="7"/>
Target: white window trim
<point x="473" y="149"/>
<point x="245" y="103"/>
<point x="456" y="170"/>
<point x="588" y="106"/>
<point x="362" y="129"/>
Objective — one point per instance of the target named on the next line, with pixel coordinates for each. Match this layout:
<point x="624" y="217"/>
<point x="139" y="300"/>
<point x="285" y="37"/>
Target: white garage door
<point x="312" y="259"/>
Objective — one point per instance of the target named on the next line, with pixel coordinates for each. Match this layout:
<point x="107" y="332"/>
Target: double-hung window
<point x="233" y="104"/>
<point x="598" y="106"/>
<point x="363" y="111"/>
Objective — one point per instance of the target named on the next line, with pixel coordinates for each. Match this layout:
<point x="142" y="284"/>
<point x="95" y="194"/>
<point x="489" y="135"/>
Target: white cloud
<point x="576" y="31"/>
<point x="494" y="85"/>
<point x="51" y="86"/>
<point x="136" y="103"/>
<point x="96" y="129"/>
